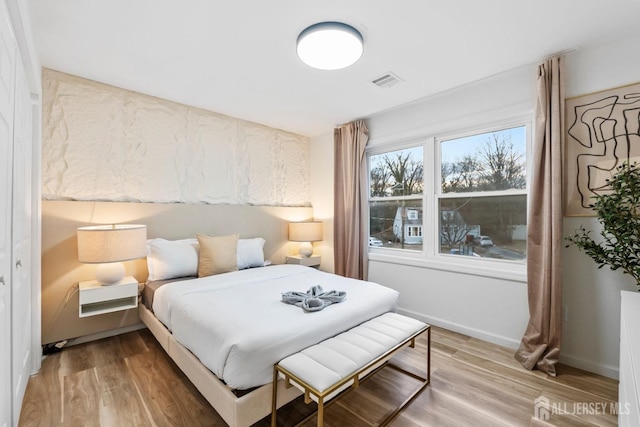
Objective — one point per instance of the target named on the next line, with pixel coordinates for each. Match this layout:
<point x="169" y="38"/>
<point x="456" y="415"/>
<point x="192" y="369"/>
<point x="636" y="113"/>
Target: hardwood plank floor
<point x="128" y="380"/>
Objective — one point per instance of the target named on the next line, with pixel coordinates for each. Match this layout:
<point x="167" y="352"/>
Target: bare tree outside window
<point x="501" y="167"/>
<point x="495" y="165"/>
<point x="379" y="181"/>
<point x="461" y="176"/>
<point x="453" y="229"/>
<point x="407" y="172"/>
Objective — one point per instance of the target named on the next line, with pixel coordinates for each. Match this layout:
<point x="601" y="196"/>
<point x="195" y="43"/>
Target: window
<point x="475" y="205"/>
<point x="482" y="197"/>
<point x="396" y="188"/>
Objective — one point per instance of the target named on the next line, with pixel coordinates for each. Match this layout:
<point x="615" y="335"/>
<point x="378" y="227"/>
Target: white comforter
<point x="238" y="327"/>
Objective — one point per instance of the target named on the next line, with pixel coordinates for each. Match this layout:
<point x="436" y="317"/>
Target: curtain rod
<point x="560" y="53"/>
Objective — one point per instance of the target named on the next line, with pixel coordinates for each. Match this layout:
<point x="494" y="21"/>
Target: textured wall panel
<point x="106" y="143"/>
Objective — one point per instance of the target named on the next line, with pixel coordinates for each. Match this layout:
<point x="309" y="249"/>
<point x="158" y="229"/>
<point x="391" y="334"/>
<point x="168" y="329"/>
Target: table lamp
<point x="108" y="246"/>
<point x="305" y="232"/>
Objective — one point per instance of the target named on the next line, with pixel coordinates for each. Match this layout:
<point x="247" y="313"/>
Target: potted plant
<point x="619" y="213"/>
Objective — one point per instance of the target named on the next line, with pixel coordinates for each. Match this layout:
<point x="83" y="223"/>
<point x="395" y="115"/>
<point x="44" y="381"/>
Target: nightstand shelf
<point x="96" y="299"/>
<point x="312" y="261"/>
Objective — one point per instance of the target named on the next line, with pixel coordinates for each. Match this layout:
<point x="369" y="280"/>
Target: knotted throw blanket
<point x="315" y="299"/>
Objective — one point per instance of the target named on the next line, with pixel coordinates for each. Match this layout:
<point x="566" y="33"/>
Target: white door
<point x="21" y="236"/>
<point x="7" y="66"/>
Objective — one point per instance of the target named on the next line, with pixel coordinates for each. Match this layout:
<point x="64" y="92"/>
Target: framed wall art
<point x="602" y="132"/>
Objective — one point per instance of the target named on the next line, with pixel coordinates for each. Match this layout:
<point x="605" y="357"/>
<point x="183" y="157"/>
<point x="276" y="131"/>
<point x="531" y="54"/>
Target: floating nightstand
<point x="312" y="261"/>
<point x="96" y="299"/>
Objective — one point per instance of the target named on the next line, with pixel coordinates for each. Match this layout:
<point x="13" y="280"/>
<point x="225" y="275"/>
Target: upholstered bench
<point x="323" y="370"/>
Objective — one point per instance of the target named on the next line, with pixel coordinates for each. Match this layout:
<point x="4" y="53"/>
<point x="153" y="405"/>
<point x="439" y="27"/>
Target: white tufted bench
<point x="323" y="370"/>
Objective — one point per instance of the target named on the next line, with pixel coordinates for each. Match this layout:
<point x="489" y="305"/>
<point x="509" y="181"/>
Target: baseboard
<point x="472" y="332"/>
<point x="587" y="365"/>
<point x="576" y="362"/>
<point x="105" y="334"/>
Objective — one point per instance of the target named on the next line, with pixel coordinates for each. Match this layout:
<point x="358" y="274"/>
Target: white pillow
<point x="250" y="253"/>
<point x="168" y="259"/>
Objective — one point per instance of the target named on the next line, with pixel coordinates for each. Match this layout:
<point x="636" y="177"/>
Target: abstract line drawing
<point x="603" y="132"/>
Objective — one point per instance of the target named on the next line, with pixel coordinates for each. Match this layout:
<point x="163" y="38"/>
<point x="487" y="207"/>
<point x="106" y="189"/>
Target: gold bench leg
<point x="320" y="412"/>
<point x="429" y="355"/>
<point x="274" y="397"/>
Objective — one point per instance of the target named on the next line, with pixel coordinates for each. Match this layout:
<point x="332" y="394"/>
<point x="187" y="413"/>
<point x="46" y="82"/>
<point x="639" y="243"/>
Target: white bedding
<point x="238" y="327"/>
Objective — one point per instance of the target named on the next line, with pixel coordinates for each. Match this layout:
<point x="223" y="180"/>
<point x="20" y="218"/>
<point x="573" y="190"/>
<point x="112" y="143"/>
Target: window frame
<point x="430" y="256"/>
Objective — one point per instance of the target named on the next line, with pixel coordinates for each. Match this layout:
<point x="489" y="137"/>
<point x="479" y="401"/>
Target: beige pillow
<point x="217" y="254"/>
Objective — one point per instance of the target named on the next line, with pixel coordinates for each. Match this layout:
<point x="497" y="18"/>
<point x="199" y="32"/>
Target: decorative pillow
<point x="217" y="254"/>
<point x="250" y="253"/>
<point x="167" y="259"/>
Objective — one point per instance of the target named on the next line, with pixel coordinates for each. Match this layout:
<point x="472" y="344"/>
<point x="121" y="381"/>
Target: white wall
<point x="321" y="177"/>
<point x="491" y="308"/>
<point x="591" y="297"/>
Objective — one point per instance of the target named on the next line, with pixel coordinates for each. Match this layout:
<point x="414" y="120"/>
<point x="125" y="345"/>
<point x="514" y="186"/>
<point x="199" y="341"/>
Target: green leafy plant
<point x="619" y="213"/>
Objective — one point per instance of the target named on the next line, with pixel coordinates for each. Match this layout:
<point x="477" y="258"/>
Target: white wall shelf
<point x="97" y="299"/>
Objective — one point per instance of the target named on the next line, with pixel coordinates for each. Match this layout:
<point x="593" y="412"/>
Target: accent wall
<point x="109" y="144"/>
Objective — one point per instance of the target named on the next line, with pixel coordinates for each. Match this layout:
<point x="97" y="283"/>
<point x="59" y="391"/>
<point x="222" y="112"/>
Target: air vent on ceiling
<point x="387" y="80"/>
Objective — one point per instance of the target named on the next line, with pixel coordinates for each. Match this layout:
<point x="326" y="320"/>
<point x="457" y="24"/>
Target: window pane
<point x="490" y="227"/>
<point x="397" y="173"/>
<point x="485" y="162"/>
<point x="396" y="224"/>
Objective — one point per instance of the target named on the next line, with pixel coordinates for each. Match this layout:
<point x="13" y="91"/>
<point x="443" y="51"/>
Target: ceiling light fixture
<point x="330" y="45"/>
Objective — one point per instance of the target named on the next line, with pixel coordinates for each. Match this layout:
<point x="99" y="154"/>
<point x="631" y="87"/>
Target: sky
<point x="455" y="149"/>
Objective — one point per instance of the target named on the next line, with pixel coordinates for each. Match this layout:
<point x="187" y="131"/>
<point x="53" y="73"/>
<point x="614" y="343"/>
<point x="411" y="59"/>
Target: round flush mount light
<point x="330" y="45"/>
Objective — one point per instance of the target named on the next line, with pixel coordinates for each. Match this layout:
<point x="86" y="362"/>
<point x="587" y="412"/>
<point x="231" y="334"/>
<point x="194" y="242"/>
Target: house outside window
<point x="396" y="192"/>
<point x="460" y="194"/>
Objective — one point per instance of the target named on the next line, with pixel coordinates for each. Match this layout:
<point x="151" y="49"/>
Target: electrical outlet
<point x="565" y="313"/>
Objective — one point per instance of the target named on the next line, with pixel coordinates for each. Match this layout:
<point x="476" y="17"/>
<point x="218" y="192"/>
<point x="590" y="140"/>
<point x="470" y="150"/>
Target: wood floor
<point x="128" y="380"/>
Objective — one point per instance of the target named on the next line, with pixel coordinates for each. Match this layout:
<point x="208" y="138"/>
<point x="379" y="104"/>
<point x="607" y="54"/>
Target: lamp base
<point x="109" y="273"/>
<point x="306" y="249"/>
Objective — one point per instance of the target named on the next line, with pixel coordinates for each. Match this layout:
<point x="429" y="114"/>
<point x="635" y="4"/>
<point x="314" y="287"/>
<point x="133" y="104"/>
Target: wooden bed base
<point x="236" y="411"/>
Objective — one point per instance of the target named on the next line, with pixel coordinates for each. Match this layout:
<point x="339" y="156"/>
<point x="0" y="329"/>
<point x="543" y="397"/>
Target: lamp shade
<point x="305" y="231"/>
<point x="111" y="243"/>
<point x="330" y="45"/>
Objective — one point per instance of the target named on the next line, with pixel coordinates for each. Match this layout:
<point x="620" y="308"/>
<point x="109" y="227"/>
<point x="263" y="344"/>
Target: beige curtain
<point x="350" y="199"/>
<point x="540" y="345"/>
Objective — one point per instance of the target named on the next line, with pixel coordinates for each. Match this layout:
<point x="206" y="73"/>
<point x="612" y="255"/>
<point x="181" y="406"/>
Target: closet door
<point x="21" y="236"/>
<point x="7" y="66"/>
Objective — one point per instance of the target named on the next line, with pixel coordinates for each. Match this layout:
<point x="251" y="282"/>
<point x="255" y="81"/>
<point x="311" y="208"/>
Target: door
<point x="21" y="237"/>
<point x="7" y="66"/>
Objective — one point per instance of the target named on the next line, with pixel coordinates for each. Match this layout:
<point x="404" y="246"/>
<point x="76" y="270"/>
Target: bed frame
<point x="236" y="411"/>
<point x="60" y="267"/>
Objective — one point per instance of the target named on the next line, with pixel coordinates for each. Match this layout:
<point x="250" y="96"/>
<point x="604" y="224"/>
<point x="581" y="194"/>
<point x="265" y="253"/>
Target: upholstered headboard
<point x="61" y="270"/>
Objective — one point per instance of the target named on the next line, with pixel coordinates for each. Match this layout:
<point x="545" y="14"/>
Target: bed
<point x="226" y="331"/>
